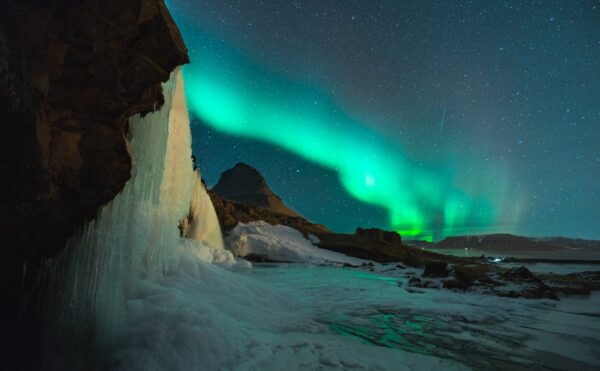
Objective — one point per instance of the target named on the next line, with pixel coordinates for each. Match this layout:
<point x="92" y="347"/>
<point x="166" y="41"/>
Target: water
<point x="481" y="332"/>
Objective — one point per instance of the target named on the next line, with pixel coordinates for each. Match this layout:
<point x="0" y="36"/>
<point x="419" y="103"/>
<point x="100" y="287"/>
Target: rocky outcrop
<point x="379" y="235"/>
<point x="375" y="244"/>
<point x="435" y="269"/>
<point x="245" y="185"/>
<point x="230" y="213"/>
<point x="71" y="74"/>
<point x="243" y="195"/>
<point x="533" y="287"/>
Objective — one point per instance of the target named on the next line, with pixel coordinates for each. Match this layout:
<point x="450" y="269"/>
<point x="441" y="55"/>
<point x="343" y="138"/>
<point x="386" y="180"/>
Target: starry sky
<point x="432" y="118"/>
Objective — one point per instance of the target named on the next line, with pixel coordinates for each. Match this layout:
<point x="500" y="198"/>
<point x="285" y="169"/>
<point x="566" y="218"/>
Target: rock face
<point x="245" y="185"/>
<point x="436" y="269"/>
<point x="374" y="244"/>
<point x="243" y="195"/>
<point x="230" y="213"/>
<point x="379" y="235"/>
<point x="71" y="74"/>
<point x="534" y="287"/>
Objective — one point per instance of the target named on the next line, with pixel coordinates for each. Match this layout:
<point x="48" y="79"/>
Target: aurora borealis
<point x="402" y="113"/>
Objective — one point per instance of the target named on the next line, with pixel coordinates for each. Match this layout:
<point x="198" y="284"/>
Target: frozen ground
<point x="479" y="331"/>
<point x="204" y="316"/>
<point x="303" y="316"/>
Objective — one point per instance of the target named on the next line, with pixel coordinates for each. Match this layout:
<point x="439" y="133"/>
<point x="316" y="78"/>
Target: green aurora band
<point x="235" y="95"/>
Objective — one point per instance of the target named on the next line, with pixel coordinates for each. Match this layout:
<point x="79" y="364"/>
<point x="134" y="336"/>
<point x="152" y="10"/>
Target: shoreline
<point x="511" y="259"/>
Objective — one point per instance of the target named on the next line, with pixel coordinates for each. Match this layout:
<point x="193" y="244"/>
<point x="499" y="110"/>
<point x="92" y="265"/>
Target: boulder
<point x="436" y="269"/>
<point x="379" y="235"/>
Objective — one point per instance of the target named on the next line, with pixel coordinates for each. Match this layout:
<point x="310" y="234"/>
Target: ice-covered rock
<point x="280" y="243"/>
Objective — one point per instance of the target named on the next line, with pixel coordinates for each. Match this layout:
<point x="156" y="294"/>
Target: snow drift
<point x="281" y="243"/>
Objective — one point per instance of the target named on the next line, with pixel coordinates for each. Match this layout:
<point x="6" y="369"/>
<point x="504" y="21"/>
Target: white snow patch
<point x="203" y="317"/>
<point x="281" y="243"/>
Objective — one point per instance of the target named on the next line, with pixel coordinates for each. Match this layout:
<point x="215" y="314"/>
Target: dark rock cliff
<point x="71" y="73"/>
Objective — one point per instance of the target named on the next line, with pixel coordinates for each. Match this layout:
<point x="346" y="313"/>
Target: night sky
<point x="432" y="118"/>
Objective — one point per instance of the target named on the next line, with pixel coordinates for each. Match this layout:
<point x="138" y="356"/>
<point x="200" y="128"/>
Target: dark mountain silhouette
<point x="244" y="184"/>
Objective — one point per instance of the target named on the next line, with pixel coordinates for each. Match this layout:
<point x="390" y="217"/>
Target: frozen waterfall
<point x="204" y="226"/>
<point x="133" y="237"/>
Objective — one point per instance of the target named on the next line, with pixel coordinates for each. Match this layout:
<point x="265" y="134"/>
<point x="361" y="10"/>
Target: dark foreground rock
<point x="379" y="235"/>
<point x="71" y="74"/>
<point x="259" y="258"/>
<point x="436" y="269"/>
<point x="532" y="286"/>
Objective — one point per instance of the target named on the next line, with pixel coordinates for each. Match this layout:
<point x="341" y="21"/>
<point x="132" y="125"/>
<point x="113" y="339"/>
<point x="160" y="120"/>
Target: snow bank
<point x="281" y="243"/>
<point x="203" y="317"/>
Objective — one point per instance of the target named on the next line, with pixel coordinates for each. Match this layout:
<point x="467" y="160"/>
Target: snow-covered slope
<point x="280" y="243"/>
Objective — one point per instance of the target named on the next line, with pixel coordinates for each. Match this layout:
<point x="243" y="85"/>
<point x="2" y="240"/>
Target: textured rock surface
<point x="230" y="213"/>
<point x="243" y="195"/>
<point x="377" y="245"/>
<point x="71" y="73"/>
<point x="380" y="235"/>
<point x="436" y="269"/>
<point x="245" y="185"/>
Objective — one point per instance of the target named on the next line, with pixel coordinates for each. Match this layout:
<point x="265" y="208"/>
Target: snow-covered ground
<point x="300" y="316"/>
<point x="203" y="316"/>
<point x="480" y="331"/>
<point x="226" y="316"/>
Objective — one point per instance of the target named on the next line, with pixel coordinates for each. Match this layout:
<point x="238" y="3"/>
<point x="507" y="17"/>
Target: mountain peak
<point x="244" y="184"/>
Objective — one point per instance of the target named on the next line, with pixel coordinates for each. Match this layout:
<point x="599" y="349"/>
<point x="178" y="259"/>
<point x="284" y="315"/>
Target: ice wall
<point x="132" y="238"/>
<point x="204" y="224"/>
